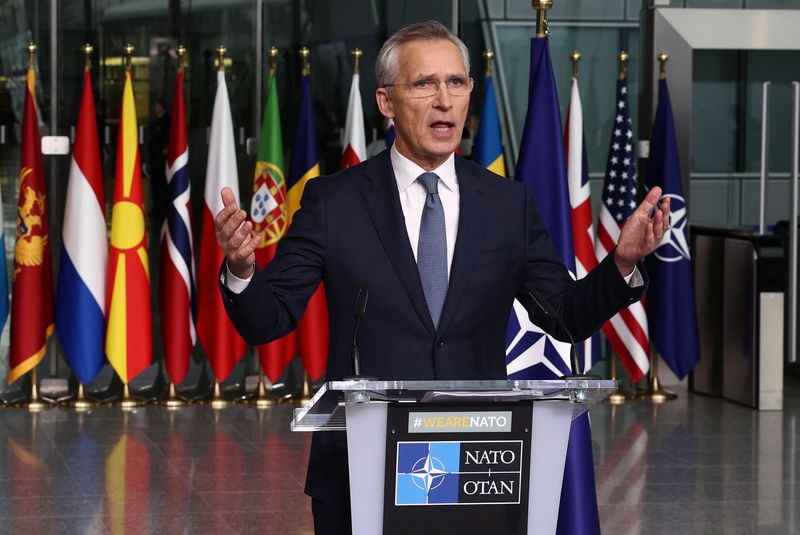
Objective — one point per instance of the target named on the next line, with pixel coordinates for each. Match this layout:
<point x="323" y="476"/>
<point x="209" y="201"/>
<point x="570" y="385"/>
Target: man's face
<point x="429" y="128"/>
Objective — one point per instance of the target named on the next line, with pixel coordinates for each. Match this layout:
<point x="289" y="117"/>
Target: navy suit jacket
<point x="350" y="233"/>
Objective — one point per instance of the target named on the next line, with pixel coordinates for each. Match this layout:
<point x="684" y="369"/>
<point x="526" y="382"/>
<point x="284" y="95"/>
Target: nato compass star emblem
<point x="428" y="473"/>
<point x="674" y="246"/>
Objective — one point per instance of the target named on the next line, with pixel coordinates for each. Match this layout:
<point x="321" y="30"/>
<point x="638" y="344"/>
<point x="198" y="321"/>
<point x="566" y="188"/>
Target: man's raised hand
<point x="234" y="236"/>
<point x="642" y="232"/>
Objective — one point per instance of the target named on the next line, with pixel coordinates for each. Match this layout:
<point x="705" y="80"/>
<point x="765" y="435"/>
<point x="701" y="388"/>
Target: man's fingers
<point x="233" y="223"/>
<point x="240" y="235"/>
<point x="228" y="197"/>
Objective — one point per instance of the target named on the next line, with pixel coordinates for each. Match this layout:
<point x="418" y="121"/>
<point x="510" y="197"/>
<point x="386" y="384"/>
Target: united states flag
<point x="627" y="331"/>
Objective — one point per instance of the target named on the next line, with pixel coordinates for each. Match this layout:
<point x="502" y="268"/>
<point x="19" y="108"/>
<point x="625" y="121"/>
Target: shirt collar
<point x="406" y="172"/>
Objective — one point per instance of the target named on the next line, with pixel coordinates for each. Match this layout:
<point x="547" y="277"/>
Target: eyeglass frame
<point x="438" y="82"/>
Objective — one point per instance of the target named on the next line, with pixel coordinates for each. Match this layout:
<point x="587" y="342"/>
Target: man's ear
<point x="384" y="102"/>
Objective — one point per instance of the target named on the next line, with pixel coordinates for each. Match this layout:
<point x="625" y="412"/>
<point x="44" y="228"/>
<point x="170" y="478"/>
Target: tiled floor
<point x="696" y="465"/>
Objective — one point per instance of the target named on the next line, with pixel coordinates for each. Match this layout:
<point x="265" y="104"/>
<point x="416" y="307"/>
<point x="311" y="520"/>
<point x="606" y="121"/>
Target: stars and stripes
<point x="627" y="332"/>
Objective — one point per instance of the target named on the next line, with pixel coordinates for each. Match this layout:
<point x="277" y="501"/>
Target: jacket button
<point x="440" y="344"/>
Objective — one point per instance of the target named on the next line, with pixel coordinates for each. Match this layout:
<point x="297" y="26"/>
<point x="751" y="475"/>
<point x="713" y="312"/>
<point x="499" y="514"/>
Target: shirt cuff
<point x="634" y="280"/>
<point x="234" y="283"/>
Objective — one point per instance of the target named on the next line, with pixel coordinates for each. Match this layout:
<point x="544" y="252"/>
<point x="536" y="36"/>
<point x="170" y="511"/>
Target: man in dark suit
<point x="443" y="245"/>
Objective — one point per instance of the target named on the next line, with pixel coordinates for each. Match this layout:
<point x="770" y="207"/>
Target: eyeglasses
<point x="457" y="86"/>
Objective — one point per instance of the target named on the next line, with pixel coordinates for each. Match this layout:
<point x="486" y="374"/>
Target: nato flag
<point x="543" y="168"/>
<point x="670" y="297"/>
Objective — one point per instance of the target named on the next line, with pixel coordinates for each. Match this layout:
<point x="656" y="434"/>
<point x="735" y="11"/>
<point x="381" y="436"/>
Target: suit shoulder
<point x="487" y="179"/>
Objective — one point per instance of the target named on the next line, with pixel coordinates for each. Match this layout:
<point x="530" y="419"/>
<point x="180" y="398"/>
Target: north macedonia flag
<point x="129" y="336"/>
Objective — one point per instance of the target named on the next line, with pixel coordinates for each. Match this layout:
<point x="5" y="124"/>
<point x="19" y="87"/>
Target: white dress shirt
<point x="413" y="195"/>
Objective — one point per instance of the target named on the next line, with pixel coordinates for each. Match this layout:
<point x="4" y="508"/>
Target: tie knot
<point x="430" y="182"/>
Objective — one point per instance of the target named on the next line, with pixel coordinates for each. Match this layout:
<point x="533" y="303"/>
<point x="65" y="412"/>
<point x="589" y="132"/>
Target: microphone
<point x="550" y="313"/>
<point x="358" y="313"/>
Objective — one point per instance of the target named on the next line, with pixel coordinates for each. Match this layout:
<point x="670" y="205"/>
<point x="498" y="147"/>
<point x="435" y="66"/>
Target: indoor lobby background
<point x="700" y="464"/>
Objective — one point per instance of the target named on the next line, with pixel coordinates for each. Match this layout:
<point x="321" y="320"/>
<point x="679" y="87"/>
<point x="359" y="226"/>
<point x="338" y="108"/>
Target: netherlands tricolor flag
<point x="80" y="301"/>
<point x="176" y="289"/>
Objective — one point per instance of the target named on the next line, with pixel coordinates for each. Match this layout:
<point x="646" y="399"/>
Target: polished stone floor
<point x="697" y="465"/>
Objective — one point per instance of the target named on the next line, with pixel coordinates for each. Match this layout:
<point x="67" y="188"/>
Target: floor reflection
<point x="697" y="465"/>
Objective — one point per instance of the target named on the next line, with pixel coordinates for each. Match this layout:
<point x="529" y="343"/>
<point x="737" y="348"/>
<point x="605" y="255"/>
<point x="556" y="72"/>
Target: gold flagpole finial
<point x="575" y="57"/>
<point x="87" y="56"/>
<point x="623" y="64"/>
<point x="273" y="54"/>
<point x="128" y="51"/>
<point x="31" y="48"/>
<point x="305" y="58"/>
<point x="181" y="53"/>
<point x="662" y="60"/>
<point x="221" y="57"/>
<point x="541" y="7"/>
<point x="488" y="55"/>
<point x="357" y="60"/>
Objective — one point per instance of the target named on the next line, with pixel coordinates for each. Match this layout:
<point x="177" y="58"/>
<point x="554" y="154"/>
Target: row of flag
<point x="552" y="163"/>
<point x="102" y="310"/>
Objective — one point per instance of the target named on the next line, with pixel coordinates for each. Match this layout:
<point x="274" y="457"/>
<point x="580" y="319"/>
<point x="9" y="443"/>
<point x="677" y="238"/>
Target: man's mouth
<point x="442" y="127"/>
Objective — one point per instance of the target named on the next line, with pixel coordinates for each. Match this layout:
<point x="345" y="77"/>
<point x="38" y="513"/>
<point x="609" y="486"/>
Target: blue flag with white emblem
<point x="670" y="298"/>
<point x="530" y="354"/>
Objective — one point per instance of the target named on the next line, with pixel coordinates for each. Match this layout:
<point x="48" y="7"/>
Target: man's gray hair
<point x="386" y="65"/>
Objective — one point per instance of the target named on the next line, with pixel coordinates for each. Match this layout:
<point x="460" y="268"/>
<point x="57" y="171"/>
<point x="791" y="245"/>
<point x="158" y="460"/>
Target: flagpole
<point x="356" y="53"/>
<point x="34" y="403"/>
<point x="81" y="402"/>
<point x="173" y="401"/>
<point x="621" y="395"/>
<point x="542" y="7"/>
<point x="654" y="393"/>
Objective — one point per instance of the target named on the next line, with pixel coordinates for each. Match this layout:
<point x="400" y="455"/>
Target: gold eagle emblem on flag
<point x="30" y="244"/>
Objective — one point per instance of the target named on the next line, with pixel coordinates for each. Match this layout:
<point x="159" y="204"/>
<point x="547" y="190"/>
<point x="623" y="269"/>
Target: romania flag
<point x="488" y="151"/>
<point x="129" y="335"/>
<point x="32" y="293"/>
<point x="312" y="330"/>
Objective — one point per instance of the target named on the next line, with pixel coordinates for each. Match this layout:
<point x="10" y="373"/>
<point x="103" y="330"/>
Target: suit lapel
<point x="471" y="225"/>
<point x="379" y="189"/>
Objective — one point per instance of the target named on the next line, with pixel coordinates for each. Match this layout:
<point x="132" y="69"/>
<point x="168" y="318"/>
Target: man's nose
<point x="442" y="98"/>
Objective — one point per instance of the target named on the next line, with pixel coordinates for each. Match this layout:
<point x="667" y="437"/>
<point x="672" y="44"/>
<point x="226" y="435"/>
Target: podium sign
<point x="457" y="468"/>
<point x="453" y="456"/>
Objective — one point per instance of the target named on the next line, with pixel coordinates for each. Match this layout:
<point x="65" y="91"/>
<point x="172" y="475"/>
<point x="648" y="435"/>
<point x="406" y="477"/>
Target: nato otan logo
<point x="454" y="473"/>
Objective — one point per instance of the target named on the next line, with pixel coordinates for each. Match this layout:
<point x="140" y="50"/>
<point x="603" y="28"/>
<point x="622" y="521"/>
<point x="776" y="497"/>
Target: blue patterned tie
<point x="432" y="248"/>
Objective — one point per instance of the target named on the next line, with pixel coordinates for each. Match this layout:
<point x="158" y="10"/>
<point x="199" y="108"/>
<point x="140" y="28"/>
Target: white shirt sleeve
<point x="234" y="283"/>
<point x="634" y="280"/>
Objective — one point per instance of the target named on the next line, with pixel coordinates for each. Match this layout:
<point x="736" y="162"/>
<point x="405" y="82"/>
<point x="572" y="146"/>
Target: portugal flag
<point x="312" y="330"/>
<point x="129" y="335"/>
<point x="269" y="213"/>
<point x="32" y="294"/>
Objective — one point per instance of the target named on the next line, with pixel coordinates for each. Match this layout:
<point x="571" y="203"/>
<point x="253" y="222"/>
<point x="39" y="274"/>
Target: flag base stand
<point x="35" y="403"/>
<point x="262" y="399"/>
<point x="128" y="403"/>
<point x="305" y="395"/>
<point x="654" y="393"/>
<point x="81" y="401"/>
<point x="217" y="401"/>
<point x="173" y="402"/>
<point x="620" y="396"/>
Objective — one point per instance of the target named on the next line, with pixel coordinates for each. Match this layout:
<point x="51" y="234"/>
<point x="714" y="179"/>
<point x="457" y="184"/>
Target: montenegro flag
<point x="129" y="336"/>
<point x="32" y="293"/>
<point x="312" y="330"/>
